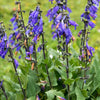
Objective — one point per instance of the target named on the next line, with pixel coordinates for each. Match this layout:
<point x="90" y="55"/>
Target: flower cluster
<point x="61" y="20"/>
<point x="35" y="29"/>
<point x="89" y="14"/>
<point x="3" y="42"/>
<point x="36" y="23"/>
<point x="10" y="43"/>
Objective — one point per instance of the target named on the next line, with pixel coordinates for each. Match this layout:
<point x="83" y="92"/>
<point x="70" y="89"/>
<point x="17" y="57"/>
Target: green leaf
<point x="32" y="86"/>
<point x="95" y="70"/>
<point x="98" y="98"/>
<point x="79" y="94"/>
<point x="69" y="81"/>
<point x="52" y="93"/>
<point x="31" y="98"/>
<point x="62" y="71"/>
<point x="53" y="53"/>
<point x="12" y="96"/>
<point x="84" y="92"/>
<point x="3" y="97"/>
<point x="53" y="77"/>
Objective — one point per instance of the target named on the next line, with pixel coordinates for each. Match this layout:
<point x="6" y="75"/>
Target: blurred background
<point x="77" y="7"/>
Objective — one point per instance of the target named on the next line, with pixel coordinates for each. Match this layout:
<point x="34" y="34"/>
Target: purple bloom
<point x="61" y="98"/>
<point x="37" y="97"/>
<point x="73" y="23"/>
<point x="51" y="1"/>
<point x="19" y="57"/>
<point x="93" y="9"/>
<point x="69" y="10"/>
<point x="54" y="35"/>
<point x="61" y="21"/>
<point x="86" y="16"/>
<point x="4" y="53"/>
<point x="16" y="63"/>
<point x="27" y="32"/>
<point x="58" y="18"/>
<point x="91" y="24"/>
<point x="4" y="46"/>
<point x="35" y="39"/>
<point x="31" y="49"/>
<point x="80" y="33"/>
<point x="13" y="19"/>
<point x="39" y="48"/>
<point x="18" y="48"/>
<point x="1" y="82"/>
<point x="90" y="50"/>
<point x="93" y="16"/>
<point x="15" y="26"/>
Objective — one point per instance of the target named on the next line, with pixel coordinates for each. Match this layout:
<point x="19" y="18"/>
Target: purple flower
<point x="1" y="82"/>
<point x="86" y="16"/>
<point x="13" y="19"/>
<point x="18" y="48"/>
<point x="91" y="24"/>
<point x="39" y="48"/>
<point x="19" y="57"/>
<point x="4" y="53"/>
<point x="31" y="49"/>
<point x="61" y="98"/>
<point x="90" y="50"/>
<point x="37" y="97"/>
<point x="36" y="23"/>
<point x="51" y="1"/>
<point x="4" y="46"/>
<point x="35" y="39"/>
<point x="27" y="32"/>
<point x="69" y="10"/>
<point x="80" y="33"/>
<point x="16" y="63"/>
<point x="61" y="21"/>
<point x="15" y="26"/>
<point x="54" y="35"/>
<point x="73" y="23"/>
<point x="93" y="16"/>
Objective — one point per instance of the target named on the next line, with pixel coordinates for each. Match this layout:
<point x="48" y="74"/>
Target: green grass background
<point x="77" y="7"/>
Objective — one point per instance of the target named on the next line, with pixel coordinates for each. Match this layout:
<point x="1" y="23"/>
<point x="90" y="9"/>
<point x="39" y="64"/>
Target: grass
<point x="77" y="7"/>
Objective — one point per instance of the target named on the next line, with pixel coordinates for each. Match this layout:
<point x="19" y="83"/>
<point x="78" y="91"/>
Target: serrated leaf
<point x="61" y="71"/>
<point x="53" y="77"/>
<point x="52" y="93"/>
<point x="53" y="52"/>
<point x="84" y="92"/>
<point x="98" y="98"/>
<point x="31" y="98"/>
<point x="69" y="81"/>
<point x="96" y="73"/>
<point x="32" y="86"/>
<point x="79" y="94"/>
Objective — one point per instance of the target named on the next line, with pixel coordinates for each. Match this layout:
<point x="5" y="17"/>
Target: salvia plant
<point x="61" y="22"/>
<point x="86" y="51"/>
<point x="41" y="73"/>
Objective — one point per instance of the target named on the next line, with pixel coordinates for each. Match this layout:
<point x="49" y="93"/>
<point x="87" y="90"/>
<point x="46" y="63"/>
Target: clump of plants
<point x="40" y="73"/>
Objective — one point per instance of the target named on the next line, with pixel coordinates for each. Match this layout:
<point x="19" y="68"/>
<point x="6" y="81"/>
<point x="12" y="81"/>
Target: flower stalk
<point x="11" y="56"/>
<point x="3" y="89"/>
<point x="35" y="56"/>
<point x="67" y="71"/>
<point x="45" y="58"/>
<point x="61" y="23"/>
<point x="85" y="50"/>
